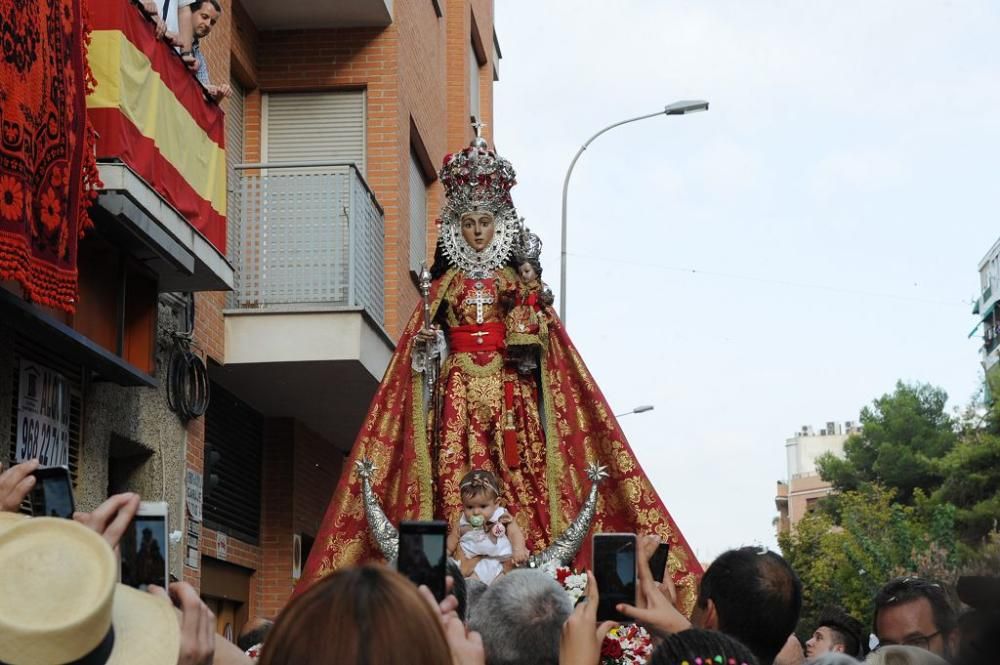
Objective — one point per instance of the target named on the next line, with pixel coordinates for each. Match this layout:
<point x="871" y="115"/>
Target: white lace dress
<point x="478" y="542"/>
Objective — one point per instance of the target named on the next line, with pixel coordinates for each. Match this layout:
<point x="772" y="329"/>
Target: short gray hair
<point x="474" y="590"/>
<point x="834" y="658"/>
<point x="903" y="655"/>
<point x="520" y="618"/>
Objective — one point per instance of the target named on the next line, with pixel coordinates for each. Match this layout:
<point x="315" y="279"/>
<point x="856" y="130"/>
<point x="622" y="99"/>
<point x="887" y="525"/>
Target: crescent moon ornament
<point x="385" y="534"/>
<point x="563" y="549"/>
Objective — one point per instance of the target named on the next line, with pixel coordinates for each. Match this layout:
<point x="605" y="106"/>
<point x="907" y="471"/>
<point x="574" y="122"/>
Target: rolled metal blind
<point x="74" y="375"/>
<point x="315" y="126"/>
<point x="236" y="432"/>
<point x="418" y="214"/>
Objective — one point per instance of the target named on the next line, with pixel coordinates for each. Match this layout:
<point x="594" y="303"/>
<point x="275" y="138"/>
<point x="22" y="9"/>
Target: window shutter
<point x="74" y="375"/>
<point x="320" y="126"/>
<point x="234" y="156"/>
<point x="418" y="214"/>
<point x="473" y="82"/>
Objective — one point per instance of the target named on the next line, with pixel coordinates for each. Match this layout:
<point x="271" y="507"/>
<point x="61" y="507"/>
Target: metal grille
<point x="25" y="348"/>
<point x="310" y="235"/>
<point x="234" y="156"/>
<point x="236" y="432"/>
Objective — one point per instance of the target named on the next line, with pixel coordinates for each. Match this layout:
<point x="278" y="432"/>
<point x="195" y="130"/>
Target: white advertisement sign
<point x="42" y="416"/>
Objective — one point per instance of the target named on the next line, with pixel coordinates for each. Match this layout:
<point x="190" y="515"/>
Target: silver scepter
<point x="430" y="366"/>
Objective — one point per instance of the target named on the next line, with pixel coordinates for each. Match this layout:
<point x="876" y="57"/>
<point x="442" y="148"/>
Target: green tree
<point x="971" y="473"/>
<point x="877" y="539"/>
<point x="904" y="435"/>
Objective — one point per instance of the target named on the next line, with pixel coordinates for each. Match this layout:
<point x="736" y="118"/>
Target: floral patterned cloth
<point x="561" y="420"/>
<point x="47" y="169"/>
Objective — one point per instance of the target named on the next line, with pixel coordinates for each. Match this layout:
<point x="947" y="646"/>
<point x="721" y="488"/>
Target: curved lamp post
<point x="677" y="108"/>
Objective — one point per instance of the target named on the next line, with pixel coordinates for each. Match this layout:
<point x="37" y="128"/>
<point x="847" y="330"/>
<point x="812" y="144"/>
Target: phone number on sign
<point x="45" y="441"/>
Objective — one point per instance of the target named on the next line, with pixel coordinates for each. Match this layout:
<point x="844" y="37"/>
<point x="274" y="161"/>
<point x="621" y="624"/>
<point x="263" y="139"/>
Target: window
<point x="234" y="442"/>
<point x="418" y="213"/>
<point x="72" y="386"/>
<point x="315" y="127"/>
<point x="473" y="82"/>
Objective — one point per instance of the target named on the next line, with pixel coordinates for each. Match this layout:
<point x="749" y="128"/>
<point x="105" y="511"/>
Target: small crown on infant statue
<point x="528" y="246"/>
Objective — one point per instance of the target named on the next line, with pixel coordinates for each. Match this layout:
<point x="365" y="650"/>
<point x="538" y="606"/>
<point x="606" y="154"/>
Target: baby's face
<point x="527" y="272"/>
<point x="479" y="508"/>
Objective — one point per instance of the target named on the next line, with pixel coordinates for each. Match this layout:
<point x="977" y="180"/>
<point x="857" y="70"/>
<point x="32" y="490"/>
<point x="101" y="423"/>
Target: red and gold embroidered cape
<point x="563" y="423"/>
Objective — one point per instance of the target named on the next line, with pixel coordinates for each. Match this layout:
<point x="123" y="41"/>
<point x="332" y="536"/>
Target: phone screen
<point x="658" y="562"/>
<point x="422" y="554"/>
<point x="614" y="568"/>
<point x="144" y="552"/>
<point x="52" y="495"/>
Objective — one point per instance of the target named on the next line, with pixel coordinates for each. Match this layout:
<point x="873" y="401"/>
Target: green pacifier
<point x="477" y="520"/>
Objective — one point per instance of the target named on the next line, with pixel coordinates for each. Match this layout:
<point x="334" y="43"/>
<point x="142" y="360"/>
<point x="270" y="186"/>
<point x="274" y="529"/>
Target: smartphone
<point x="52" y="495"/>
<point x="145" y="548"/>
<point x="614" y="568"/>
<point x="658" y="562"/>
<point x="422" y="554"/>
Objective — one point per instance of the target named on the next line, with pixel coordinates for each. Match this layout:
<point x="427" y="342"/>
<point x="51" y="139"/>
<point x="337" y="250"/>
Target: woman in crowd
<point x="369" y="614"/>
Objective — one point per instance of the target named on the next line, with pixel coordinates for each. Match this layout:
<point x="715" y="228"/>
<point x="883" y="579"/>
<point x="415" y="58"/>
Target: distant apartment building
<point x="985" y="310"/>
<point x="802" y="487"/>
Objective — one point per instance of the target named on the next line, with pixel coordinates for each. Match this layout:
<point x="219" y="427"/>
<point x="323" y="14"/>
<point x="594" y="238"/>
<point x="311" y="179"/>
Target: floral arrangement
<point x="629" y="644"/>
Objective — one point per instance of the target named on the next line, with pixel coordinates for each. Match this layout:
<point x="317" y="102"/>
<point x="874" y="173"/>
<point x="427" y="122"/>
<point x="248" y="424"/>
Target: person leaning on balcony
<point x="201" y="16"/>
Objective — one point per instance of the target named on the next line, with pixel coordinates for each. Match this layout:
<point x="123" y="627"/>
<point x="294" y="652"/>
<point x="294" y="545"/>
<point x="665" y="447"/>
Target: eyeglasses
<point x="919" y="641"/>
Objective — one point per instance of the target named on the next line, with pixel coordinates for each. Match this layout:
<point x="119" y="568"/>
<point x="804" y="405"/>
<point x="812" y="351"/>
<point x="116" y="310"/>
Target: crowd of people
<point x="60" y="602"/>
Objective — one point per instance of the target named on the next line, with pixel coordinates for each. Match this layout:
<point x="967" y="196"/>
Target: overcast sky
<point x="778" y="261"/>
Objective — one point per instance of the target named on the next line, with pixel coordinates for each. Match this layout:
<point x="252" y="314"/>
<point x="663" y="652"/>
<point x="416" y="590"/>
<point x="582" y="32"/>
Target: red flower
<point x="562" y="574"/>
<point x="51" y="210"/>
<point x="58" y="176"/>
<point x="611" y="648"/>
<point x="11" y="198"/>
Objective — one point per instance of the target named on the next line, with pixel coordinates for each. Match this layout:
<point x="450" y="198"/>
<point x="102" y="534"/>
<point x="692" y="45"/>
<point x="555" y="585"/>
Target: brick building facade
<point x="413" y="65"/>
<point x="341" y="116"/>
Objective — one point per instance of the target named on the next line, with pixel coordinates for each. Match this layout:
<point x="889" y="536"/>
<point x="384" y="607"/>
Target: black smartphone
<point x="422" y="554"/>
<point x="614" y="569"/>
<point x="658" y="562"/>
<point x="145" y="548"/>
<point x="52" y="495"/>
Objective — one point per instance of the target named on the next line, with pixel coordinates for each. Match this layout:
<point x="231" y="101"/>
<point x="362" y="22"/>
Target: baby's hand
<point x="519" y="555"/>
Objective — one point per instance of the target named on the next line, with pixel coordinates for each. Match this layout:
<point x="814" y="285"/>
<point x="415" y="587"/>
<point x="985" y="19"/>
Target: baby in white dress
<point x="486" y="541"/>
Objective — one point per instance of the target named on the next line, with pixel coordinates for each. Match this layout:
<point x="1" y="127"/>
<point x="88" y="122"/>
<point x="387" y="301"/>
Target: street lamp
<point x="639" y="409"/>
<point x="677" y="108"/>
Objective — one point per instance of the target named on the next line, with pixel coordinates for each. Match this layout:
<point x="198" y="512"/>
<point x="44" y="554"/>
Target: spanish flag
<point x="151" y="113"/>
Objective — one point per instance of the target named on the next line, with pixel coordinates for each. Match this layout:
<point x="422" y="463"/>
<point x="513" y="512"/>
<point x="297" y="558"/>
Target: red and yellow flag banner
<point x="151" y="113"/>
<point x="47" y="172"/>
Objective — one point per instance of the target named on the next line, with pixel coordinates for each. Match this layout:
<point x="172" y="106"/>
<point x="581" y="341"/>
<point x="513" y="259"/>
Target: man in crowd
<point x="837" y="632"/>
<point x="749" y="593"/>
<point x="201" y="15"/>
<point x="520" y="618"/>
<point x="916" y="612"/>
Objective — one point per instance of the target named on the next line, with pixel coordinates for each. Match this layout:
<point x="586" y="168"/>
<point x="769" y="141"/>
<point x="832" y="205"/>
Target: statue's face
<point x="527" y="272"/>
<point x="478" y="229"/>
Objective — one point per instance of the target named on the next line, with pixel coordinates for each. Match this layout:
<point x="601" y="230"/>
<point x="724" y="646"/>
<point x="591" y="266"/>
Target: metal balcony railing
<point x="308" y="235"/>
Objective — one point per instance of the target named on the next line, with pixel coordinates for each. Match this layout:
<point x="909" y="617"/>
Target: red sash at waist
<point x="473" y="338"/>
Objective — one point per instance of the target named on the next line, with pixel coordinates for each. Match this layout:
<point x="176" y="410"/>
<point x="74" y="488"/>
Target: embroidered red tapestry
<point x="47" y="170"/>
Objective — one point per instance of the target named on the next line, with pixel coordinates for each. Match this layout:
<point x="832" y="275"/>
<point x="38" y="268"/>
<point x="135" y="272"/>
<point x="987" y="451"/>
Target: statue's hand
<point x="428" y="335"/>
<point x="519" y="556"/>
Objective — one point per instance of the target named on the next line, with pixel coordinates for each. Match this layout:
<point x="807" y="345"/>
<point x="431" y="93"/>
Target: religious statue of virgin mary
<point x="456" y="397"/>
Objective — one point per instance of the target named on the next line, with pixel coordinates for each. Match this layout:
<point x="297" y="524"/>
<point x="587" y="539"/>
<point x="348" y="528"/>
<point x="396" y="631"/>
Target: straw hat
<point x="60" y="600"/>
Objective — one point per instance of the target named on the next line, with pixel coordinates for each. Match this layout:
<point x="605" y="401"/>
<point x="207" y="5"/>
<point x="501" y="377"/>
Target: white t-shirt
<point x="171" y="11"/>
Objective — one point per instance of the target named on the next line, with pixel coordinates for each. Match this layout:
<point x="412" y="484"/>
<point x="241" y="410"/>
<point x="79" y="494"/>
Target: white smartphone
<point x="145" y="547"/>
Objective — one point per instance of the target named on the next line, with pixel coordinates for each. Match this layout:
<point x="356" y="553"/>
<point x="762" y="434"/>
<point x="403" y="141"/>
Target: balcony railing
<point x="310" y="236"/>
